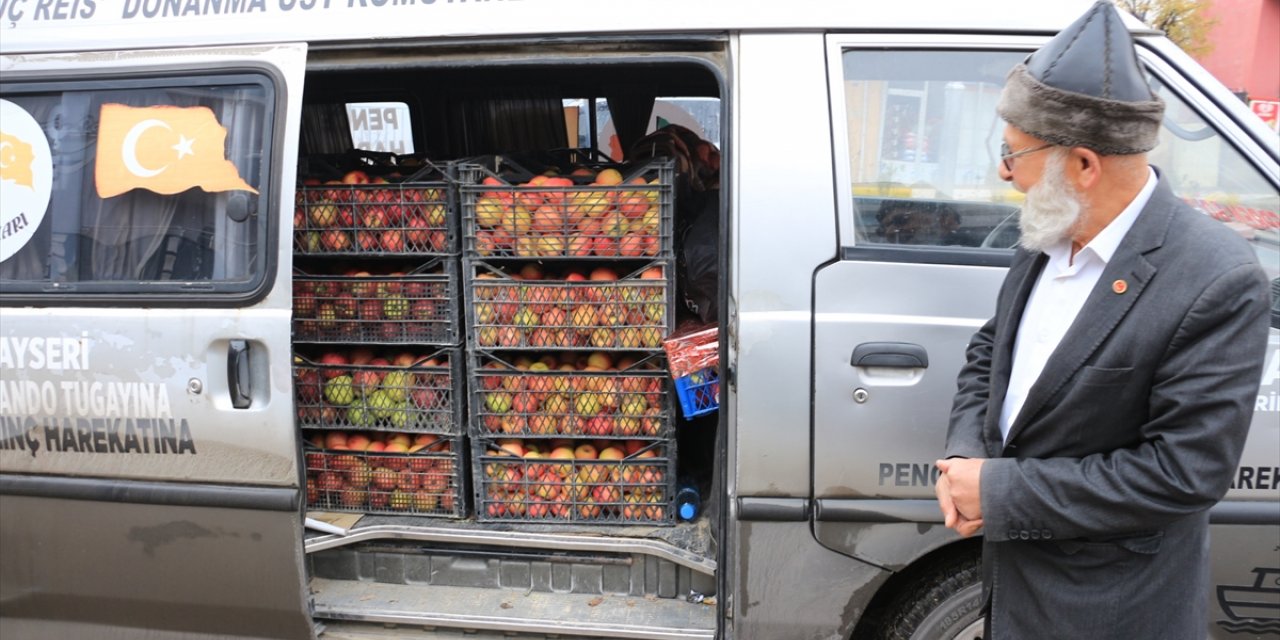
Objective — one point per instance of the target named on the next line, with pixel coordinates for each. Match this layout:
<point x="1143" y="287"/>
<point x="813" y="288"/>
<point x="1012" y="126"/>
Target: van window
<point x="1209" y="174"/>
<point x="923" y="142"/>
<point x="131" y="186"/>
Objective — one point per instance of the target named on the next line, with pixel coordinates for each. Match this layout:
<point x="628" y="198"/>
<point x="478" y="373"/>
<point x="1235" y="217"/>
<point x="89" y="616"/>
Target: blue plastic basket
<point x="699" y="392"/>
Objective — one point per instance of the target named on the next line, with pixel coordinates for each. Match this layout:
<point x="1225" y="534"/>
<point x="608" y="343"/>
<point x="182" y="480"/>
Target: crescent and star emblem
<point x="129" y="152"/>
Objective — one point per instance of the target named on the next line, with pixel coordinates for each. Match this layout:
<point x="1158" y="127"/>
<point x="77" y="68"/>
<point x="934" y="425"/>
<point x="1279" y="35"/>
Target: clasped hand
<point x="960" y="495"/>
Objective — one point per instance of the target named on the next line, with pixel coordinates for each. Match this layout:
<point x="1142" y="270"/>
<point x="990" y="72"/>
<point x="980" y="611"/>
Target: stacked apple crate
<point x="377" y="358"/>
<point x="569" y="285"/>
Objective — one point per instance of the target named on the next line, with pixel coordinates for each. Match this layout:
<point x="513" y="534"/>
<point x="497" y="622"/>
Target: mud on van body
<point x="210" y="296"/>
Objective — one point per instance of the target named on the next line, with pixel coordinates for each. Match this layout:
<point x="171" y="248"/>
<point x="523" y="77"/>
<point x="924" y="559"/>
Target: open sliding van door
<point x="149" y="475"/>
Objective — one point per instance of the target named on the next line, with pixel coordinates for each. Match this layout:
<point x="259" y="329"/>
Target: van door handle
<point x="898" y="355"/>
<point x="238" y="373"/>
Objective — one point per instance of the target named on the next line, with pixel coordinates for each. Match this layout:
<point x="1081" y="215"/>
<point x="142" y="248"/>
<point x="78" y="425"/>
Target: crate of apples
<point x="560" y="395"/>
<point x="360" y="389"/>
<point x="573" y="308"/>
<point x="377" y="472"/>
<point x="359" y="305"/>
<point x="366" y="215"/>
<point x="587" y="213"/>
<point x="577" y="481"/>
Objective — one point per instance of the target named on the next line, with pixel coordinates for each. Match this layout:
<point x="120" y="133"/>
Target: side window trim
<point x="925" y="254"/>
<point x="1178" y="82"/>
<point x="177" y="293"/>
<point x="846" y="209"/>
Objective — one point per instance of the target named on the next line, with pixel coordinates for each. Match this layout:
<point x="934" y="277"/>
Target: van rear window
<point x="135" y="186"/>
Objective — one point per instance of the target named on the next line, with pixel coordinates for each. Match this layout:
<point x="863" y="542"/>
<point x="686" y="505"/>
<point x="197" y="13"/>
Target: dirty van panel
<point x="148" y="462"/>
<point x="170" y="569"/>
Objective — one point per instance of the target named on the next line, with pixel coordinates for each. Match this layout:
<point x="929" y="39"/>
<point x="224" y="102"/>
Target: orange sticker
<point x="164" y="149"/>
<point x="1119" y="286"/>
<point x="16" y="157"/>
<point x="26" y="177"/>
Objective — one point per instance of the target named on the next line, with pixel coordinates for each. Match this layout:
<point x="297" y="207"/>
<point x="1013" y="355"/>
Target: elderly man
<point x="1104" y="407"/>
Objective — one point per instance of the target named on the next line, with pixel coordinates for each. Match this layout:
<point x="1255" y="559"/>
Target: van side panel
<point x="149" y="473"/>
<point x="164" y="567"/>
<point x="784" y="584"/>
<point x="785" y="226"/>
<point x="790" y="587"/>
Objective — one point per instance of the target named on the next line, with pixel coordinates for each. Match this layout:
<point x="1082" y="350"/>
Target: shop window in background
<point x="699" y="115"/>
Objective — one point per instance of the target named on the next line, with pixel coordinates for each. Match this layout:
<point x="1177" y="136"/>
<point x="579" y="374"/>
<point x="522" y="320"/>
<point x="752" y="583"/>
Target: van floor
<point x="693" y="537"/>
<point x="567" y="615"/>
<point x="427" y="576"/>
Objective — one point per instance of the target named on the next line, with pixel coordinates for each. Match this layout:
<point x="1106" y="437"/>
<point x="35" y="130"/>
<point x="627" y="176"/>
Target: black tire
<point x="945" y="603"/>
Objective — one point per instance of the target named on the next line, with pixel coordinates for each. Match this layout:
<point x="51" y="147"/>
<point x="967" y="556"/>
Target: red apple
<point x="373" y="217"/>
<point x="355" y="177"/>
<point x="603" y="274"/>
<point x="417" y="233"/>
<point x="335" y="363"/>
<point x="335" y="240"/>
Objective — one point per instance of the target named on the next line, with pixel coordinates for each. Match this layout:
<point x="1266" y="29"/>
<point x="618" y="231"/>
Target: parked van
<point x="318" y="317"/>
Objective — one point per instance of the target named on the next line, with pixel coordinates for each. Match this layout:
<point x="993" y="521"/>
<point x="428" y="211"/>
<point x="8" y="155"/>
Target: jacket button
<point x="1013" y="534"/>
<point x="1035" y="534"/>
<point x="1025" y="535"/>
<point x="1046" y="534"/>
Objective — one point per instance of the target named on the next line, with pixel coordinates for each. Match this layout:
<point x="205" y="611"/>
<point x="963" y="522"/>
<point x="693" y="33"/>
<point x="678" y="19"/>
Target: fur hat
<point x="1084" y="88"/>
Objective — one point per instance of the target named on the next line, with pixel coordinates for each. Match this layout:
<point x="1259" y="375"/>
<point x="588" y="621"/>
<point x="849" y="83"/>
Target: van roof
<point x="30" y="26"/>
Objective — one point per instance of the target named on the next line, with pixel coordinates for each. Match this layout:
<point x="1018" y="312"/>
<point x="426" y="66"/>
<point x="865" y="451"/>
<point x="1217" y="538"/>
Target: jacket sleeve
<point x="1200" y="406"/>
<point x="969" y="409"/>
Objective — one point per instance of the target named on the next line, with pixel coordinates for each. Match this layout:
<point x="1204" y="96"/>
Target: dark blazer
<point x="1095" y="513"/>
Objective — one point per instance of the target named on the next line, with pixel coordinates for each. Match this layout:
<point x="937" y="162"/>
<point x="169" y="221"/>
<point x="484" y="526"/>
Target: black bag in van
<point x="697" y="188"/>
<point x="698" y="256"/>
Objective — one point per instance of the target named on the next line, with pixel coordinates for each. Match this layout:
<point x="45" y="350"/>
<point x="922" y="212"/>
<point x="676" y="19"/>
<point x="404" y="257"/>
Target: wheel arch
<point x="902" y="580"/>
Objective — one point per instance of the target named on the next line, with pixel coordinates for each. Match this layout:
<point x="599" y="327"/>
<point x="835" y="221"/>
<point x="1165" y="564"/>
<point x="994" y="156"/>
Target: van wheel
<point x="943" y="604"/>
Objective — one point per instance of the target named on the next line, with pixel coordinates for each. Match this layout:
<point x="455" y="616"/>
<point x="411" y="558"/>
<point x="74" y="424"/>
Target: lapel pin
<point x="1119" y="286"/>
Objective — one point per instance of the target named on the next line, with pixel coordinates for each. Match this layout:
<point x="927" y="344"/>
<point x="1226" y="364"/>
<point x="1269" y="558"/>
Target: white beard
<point x="1052" y="207"/>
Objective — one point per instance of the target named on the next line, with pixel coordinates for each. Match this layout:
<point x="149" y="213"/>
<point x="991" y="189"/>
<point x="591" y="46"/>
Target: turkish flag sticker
<point x="164" y="149"/>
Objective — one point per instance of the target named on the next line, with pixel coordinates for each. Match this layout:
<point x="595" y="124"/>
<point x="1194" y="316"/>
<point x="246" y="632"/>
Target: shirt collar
<point x="1104" y="244"/>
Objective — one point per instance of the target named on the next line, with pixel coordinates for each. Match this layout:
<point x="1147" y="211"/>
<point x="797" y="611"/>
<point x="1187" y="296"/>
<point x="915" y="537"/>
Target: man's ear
<point x="1084" y="168"/>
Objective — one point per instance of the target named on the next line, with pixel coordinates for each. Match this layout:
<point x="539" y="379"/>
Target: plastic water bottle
<point x="688" y="503"/>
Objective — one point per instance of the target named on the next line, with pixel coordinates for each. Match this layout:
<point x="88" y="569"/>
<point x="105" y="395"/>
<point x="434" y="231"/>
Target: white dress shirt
<point x="1056" y="299"/>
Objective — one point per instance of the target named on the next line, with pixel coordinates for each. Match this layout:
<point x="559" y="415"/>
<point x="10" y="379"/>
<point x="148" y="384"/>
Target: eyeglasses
<point x="1006" y="155"/>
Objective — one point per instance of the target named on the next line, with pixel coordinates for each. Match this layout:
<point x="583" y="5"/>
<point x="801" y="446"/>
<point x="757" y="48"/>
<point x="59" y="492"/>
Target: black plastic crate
<point x="426" y="482"/>
<point x="562" y="306"/>
<point x="634" y="488"/>
<point x="512" y="398"/>
<point x="415" y="216"/>
<point x="420" y="307"/>
<point x="514" y="215"/>
<point x="420" y="393"/>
